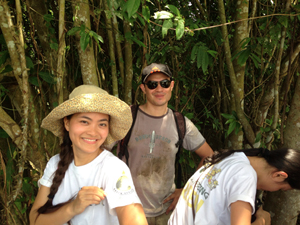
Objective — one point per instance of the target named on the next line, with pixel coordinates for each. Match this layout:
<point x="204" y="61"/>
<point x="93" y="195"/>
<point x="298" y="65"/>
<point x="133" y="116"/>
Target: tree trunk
<point x="287" y="206"/>
<point x="81" y="13"/>
<point x="61" y="54"/>
<point x="128" y="66"/>
<point x="249" y="133"/>
<point x="241" y="32"/>
<point x="111" y="47"/>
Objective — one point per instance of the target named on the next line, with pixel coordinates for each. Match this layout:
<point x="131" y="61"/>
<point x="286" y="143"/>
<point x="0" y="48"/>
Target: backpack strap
<point x="181" y="129"/>
<point x="124" y="142"/>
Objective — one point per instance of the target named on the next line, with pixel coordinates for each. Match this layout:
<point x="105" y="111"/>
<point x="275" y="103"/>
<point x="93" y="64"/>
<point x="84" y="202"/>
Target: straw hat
<point x="89" y="98"/>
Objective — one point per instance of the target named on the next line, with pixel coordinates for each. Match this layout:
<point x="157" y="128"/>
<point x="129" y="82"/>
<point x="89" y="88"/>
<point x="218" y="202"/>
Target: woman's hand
<point x="262" y="217"/>
<point x="87" y="195"/>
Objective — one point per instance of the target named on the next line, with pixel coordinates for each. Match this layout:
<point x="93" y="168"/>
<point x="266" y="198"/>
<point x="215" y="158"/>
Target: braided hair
<point x="66" y="157"/>
<point x="285" y="159"/>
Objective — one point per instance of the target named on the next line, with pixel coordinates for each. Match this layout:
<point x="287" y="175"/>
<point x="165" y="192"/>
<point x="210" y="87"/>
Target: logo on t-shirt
<point x="212" y="181"/>
<point x="123" y="185"/>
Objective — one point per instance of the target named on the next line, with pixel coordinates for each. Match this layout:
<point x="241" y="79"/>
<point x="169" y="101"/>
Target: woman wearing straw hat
<point x="86" y="184"/>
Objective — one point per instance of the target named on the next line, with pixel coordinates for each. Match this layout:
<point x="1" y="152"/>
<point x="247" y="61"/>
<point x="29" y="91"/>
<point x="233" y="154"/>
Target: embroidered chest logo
<point x="212" y="182"/>
<point x="123" y="185"/>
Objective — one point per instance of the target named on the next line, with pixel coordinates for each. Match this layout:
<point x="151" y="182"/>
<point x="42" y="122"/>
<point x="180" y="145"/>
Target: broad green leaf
<point x="244" y="56"/>
<point x="7" y="69"/>
<point x="231" y="128"/>
<point x="237" y="127"/>
<point x="235" y="114"/>
<point x="47" y="76"/>
<point x="163" y="15"/>
<point x="96" y="36"/>
<point x="228" y="116"/>
<point x="194" y="52"/>
<point x="84" y="41"/>
<point x="3" y="57"/>
<point x="204" y="61"/>
<point x="180" y="29"/>
<point x="212" y="53"/>
<point x="199" y="58"/>
<point x="190" y="115"/>
<point x="54" y="46"/>
<point x="284" y="21"/>
<point x="2" y="40"/>
<point x="255" y="60"/>
<point x="132" y="7"/>
<point x="138" y="42"/>
<point x="230" y="121"/>
<point x="73" y="31"/>
<point x="173" y="9"/>
<point x="111" y="4"/>
<point x="245" y="42"/>
<point x="48" y="17"/>
<point x="33" y="81"/>
<point x="258" y="137"/>
<point x="29" y="62"/>
<point x="192" y="163"/>
<point x="146" y="13"/>
<point x="27" y="188"/>
<point x="166" y="26"/>
<point x="82" y="30"/>
<point x="3" y="134"/>
<point x="141" y="19"/>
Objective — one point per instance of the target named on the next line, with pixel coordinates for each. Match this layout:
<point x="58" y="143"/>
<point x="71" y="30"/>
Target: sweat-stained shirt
<point x="153" y="173"/>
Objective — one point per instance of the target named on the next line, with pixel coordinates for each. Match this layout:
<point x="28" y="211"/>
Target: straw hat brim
<point x="119" y="112"/>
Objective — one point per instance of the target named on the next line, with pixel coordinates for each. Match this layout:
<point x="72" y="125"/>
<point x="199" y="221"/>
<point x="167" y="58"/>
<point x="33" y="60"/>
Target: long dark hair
<point x="285" y="159"/>
<point x="66" y="157"/>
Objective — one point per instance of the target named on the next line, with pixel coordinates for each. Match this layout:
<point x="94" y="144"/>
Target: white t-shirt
<point x="233" y="179"/>
<point x="153" y="172"/>
<point x="106" y="172"/>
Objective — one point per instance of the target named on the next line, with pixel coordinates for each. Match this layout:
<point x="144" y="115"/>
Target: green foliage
<point x="132" y="6"/>
<point x="3" y="134"/>
<point x="146" y="13"/>
<point x="202" y="54"/>
<point x="233" y="121"/>
<point x="3" y="57"/>
<point x="178" y="22"/>
<point x="197" y="61"/>
<point x="51" y="36"/>
<point x="86" y="36"/>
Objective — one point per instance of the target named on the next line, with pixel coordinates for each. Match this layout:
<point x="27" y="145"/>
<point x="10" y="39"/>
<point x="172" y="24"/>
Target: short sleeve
<point x="193" y="139"/>
<point x="120" y="190"/>
<point x="49" y="171"/>
<point x="242" y="185"/>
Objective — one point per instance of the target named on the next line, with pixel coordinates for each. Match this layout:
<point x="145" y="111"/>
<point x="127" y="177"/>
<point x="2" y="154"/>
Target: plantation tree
<point x="235" y="66"/>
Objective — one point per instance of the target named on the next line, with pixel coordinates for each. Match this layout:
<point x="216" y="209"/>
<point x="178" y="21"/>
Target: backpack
<point x="181" y="129"/>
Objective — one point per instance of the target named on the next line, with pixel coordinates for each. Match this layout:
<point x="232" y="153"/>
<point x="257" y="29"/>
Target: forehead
<point x="157" y="77"/>
<point x="91" y="115"/>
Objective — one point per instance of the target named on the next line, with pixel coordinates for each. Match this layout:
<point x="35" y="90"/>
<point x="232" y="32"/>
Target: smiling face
<point x="87" y="132"/>
<point x="159" y="96"/>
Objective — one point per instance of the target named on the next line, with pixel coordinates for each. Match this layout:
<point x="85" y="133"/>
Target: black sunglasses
<point x="163" y="83"/>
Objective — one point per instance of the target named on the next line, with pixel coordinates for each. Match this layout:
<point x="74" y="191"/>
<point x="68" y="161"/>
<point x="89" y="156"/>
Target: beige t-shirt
<point x="153" y="173"/>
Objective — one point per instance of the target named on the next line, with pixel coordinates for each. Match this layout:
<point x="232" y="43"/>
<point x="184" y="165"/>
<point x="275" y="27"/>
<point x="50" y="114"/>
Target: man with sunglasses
<point x="152" y="148"/>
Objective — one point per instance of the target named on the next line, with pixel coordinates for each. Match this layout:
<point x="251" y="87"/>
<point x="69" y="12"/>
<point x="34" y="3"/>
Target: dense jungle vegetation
<point x="235" y="63"/>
